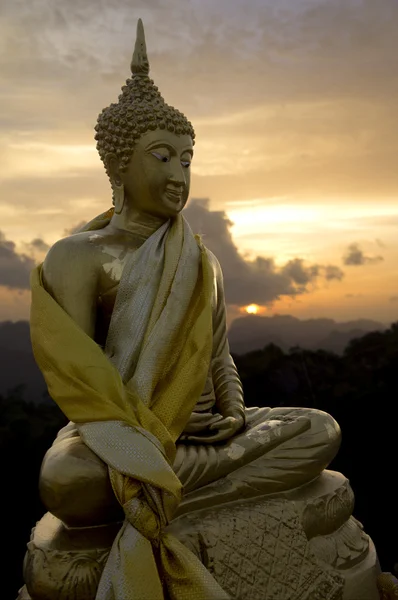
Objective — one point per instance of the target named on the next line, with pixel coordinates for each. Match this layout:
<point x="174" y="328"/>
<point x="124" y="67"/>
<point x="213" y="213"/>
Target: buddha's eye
<point x="186" y="164"/>
<point x="161" y="157"/>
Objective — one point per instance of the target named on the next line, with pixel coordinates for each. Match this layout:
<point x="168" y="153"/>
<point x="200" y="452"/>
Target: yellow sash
<point x="88" y="389"/>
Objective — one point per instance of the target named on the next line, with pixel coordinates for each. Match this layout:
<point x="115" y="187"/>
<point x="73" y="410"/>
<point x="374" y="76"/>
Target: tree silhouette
<point x="359" y="389"/>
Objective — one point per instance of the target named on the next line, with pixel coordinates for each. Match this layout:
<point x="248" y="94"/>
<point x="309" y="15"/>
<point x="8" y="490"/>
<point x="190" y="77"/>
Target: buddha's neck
<point x="140" y="225"/>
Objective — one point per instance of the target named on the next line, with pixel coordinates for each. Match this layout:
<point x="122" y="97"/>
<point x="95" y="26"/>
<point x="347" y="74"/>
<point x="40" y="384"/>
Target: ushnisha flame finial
<point x="139" y="62"/>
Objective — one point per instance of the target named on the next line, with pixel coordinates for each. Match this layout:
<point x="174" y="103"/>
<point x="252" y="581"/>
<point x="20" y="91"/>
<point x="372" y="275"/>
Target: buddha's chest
<point x="111" y="259"/>
<point x="110" y="254"/>
<point x="110" y="267"/>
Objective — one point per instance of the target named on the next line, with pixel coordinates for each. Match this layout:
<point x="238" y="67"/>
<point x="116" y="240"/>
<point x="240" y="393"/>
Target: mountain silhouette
<point x="254" y="332"/>
<point x="357" y="389"/>
<point x="18" y="366"/>
<point x="248" y="333"/>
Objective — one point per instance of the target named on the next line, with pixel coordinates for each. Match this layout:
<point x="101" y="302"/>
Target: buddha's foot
<point x="301" y="544"/>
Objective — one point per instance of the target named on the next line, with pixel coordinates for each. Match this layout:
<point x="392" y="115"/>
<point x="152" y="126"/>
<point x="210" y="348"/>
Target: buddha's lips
<point x="174" y="193"/>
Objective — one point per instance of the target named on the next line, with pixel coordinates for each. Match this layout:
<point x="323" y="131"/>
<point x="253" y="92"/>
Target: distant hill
<point x="253" y="332"/>
<point x="247" y="333"/>
<point x="18" y="365"/>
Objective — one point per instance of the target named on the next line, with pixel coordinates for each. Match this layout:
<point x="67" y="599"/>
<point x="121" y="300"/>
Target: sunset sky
<point x="294" y="104"/>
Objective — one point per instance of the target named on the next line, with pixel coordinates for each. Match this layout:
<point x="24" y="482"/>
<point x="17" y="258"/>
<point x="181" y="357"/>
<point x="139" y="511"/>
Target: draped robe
<point x="167" y="354"/>
<point x="131" y="408"/>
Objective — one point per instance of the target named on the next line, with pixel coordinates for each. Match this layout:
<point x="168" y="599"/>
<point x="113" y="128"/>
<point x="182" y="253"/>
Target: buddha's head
<point x="146" y="146"/>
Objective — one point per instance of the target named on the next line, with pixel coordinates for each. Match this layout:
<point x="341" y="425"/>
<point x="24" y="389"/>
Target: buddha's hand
<point x="230" y="424"/>
<point x="200" y="422"/>
<point x="217" y="429"/>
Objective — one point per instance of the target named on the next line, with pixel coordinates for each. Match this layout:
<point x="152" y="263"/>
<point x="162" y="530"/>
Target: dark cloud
<point x="332" y="272"/>
<point x="327" y="50"/>
<point x="36" y="249"/>
<point x="39" y="245"/>
<point x="74" y="229"/>
<point x="356" y="257"/>
<point x="14" y="268"/>
<point x="394" y="299"/>
<point x="298" y="273"/>
<point x="257" y="281"/>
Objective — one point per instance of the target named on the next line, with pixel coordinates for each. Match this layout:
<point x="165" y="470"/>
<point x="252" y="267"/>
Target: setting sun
<point x="252" y="309"/>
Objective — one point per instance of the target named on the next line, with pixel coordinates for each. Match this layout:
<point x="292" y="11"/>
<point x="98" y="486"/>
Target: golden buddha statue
<point x="129" y="329"/>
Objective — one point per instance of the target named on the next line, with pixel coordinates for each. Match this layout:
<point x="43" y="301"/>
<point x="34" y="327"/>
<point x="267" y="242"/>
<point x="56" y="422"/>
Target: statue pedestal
<point x="303" y="544"/>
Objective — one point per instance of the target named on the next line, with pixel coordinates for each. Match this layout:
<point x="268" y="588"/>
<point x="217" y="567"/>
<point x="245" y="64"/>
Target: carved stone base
<point x="301" y="544"/>
<point x="66" y="563"/>
<point x="388" y="586"/>
<point x="23" y="594"/>
<point x="259" y="550"/>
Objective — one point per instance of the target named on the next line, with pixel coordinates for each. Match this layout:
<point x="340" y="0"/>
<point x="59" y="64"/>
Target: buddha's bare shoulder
<point x="70" y="276"/>
<point x="214" y="263"/>
<point x="82" y="249"/>
<point x="69" y="251"/>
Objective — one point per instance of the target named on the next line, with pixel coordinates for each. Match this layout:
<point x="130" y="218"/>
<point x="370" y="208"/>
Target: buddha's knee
<point x="75" y="487"/>
<point x="322" y="423"/>
<point x="324" y="426"/>
<point x="322" y="439"/>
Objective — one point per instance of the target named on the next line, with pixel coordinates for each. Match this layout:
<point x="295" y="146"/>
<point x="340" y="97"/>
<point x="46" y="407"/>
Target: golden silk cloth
<point x="132" y="417"/>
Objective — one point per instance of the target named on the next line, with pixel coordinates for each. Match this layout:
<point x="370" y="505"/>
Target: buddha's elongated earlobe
<point x="118" y="198"/>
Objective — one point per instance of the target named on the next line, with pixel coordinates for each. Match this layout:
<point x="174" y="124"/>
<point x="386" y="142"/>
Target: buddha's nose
<point x="176" y="175"/>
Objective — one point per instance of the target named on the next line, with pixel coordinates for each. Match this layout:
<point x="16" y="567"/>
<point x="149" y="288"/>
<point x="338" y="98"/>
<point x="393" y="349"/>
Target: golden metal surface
<point x="104" y="468"/>
<point x="388" y="586"/>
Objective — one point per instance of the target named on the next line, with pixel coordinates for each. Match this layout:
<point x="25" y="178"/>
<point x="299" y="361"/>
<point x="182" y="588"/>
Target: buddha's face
<point x="157" y="178"/>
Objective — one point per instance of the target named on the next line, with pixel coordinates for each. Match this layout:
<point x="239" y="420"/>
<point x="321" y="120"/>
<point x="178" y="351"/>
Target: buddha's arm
<point x="69" y="277"/>
<point x="226" y="381"/>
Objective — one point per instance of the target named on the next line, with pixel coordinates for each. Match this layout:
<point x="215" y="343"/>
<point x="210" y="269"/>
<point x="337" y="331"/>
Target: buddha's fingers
<point x="199" y="422"/>
<point x="211" y="438"/>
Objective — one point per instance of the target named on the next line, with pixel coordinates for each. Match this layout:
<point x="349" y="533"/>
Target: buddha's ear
<point x="113" y="166"/>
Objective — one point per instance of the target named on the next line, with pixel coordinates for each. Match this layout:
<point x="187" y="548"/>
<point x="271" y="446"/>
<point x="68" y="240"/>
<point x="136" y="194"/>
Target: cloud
<point x="39" y="244"/>
<point x="306" y="52"/>
<point x="315" y="75"/>
<point x="74" y="229"/>
<point x="333" y="272"/>
<point x="246" y="281"/>
<point x="36" y="249"/>
<point x="356" y="257"/>
<point x="298" y="273"/>
<point x="14" y="268"/>
<point x="393" y="299"/>
<point x="295" y="98"/>
<point x="258" y="281"/>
